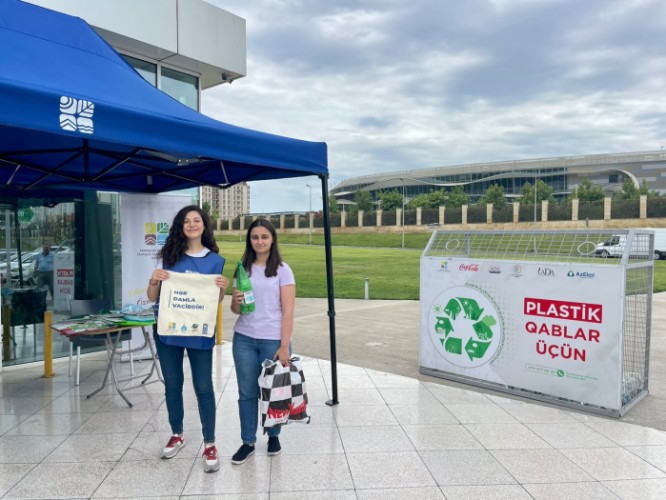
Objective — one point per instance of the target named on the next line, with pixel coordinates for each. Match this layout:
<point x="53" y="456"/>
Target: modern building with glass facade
<point x="563" y="174"/>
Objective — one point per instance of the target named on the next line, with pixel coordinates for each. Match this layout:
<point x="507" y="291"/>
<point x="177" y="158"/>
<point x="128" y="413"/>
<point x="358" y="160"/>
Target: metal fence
<point x="621" y="259"/>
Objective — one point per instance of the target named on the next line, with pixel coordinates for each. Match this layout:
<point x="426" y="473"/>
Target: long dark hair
<point x="249" y="256"/>
<point x="176" y="243"/>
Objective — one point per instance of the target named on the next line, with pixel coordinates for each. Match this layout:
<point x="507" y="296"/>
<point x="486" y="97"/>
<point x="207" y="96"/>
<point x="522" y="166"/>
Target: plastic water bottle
<point x="243" y="284"/>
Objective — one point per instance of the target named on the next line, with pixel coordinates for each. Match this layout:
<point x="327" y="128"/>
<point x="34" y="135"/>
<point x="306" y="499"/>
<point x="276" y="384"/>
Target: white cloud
<point x="415" y="84"/>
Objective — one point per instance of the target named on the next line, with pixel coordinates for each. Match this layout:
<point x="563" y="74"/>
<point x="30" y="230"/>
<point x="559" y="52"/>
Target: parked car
<point x="615" y="246"/>
<point x="28" y="261"/>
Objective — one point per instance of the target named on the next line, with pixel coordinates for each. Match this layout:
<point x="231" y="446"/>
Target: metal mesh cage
<point x="629" y="252"/>
<point x="594" y="246"/>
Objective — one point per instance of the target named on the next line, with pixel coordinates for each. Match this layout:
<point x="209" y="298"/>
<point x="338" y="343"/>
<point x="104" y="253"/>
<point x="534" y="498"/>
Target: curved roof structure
<point x="563" y="173"/>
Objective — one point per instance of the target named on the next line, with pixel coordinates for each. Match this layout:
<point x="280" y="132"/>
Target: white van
<point x="615" y="245"/>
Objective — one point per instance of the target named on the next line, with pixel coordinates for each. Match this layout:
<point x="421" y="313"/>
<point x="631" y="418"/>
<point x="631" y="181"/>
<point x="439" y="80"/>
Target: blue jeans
<point x="201" y="362"/>
<point x="249" y="353"/>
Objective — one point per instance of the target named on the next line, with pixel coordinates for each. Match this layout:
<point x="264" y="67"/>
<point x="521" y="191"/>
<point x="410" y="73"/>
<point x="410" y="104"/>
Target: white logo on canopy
<point x="76" y="115"/>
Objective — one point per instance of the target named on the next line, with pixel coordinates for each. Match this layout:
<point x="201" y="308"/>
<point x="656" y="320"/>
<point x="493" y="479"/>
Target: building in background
<point x="563" y="174"/>
<point x="227" y="203"/>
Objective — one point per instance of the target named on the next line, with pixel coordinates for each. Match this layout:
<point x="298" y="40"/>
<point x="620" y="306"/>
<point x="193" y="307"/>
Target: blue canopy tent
<point x="75" y="116"/>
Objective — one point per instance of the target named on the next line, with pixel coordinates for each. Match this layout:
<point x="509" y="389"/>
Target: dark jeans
<point x="201" y="362"/>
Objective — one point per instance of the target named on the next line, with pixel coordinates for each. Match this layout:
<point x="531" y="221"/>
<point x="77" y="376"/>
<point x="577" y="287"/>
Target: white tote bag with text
<point x="188" y="305"/>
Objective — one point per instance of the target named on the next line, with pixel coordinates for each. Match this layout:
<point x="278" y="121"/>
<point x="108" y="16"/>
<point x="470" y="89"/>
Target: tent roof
<point x="74" y="115"/>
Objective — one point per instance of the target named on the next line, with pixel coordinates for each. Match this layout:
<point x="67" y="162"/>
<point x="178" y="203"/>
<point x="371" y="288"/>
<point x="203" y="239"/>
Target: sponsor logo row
<point x="515" y="269"/>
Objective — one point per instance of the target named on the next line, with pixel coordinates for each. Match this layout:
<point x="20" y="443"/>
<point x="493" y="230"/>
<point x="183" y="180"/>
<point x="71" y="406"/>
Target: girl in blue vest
<point x="189" y="248"/>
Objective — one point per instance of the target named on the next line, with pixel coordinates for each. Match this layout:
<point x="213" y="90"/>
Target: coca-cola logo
<point x="469" y="267"/>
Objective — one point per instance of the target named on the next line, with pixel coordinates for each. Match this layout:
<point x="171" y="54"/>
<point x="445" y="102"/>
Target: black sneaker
<point x="243" y="453"/>
<point x="274" y="447"/>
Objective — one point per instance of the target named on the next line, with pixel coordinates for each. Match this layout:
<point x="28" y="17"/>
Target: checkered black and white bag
<point x="283" y="398"/>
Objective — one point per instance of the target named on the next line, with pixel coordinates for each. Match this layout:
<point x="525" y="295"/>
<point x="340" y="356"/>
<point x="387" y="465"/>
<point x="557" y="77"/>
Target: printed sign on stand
<point x="145" y="226"/>
<point x="63" y="281"/>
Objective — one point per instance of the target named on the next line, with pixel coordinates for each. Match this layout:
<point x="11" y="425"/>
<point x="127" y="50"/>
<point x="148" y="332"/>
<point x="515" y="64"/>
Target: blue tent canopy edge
<point x="75" y="115"/>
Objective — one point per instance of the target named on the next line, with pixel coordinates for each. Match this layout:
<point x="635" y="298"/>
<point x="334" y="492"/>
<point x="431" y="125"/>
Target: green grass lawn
<point x="393" y="272"/>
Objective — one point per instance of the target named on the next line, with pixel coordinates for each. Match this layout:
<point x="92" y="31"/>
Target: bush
<point x="453" y="215"/>
<point x="477" y="214"/>
<point x="526" y="213"/>
<point x="625" y="209"/>
<point x="559" y="210"/>
<point x="410" y="217"/>
<point x="370" y="218"/>
<point x="430" y="216"/>
<point x="503" y="214"/>
<point x="352" y="219"/>
<point x="656" y="207"/>
<point x="593" y="210"/>
<point x="336" y="220"/>
<point x="289" y="221"/>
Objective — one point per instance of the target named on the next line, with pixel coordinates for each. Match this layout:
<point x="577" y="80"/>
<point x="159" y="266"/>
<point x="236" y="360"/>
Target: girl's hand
<point x="238" y="297"/>
<point x="282" y="355"/>
<point x="159" y="275"/>
<point x="222" y="282"/>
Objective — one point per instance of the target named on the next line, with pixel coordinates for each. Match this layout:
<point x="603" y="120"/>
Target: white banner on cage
<point x="543" y="327"/>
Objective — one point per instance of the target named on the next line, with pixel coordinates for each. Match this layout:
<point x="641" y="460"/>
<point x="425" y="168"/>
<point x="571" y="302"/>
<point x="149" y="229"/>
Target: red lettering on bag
<point x="277" y="414"/>
<point x="297" y="410"/>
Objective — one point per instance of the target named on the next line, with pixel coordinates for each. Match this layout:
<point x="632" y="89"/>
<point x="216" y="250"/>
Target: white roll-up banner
<point x="145" y="223"/>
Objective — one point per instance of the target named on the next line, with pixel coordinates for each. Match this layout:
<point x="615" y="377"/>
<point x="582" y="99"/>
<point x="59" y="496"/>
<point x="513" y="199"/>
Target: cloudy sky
<point x="404" y="84"/>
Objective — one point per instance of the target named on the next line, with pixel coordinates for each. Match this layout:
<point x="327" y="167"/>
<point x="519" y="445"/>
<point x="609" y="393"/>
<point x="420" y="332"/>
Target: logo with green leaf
<point x="465" y="327"/>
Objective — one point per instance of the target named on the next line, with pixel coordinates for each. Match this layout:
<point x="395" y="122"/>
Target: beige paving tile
<point x="613" y="463"/>
<point x="389" y="470"/>
<point x="61" y="480"/>
<point x="470" y="413"/>
<point x="571" y="435"/>
<point x="316" y="472"/>
<point x="506" y="436"/>
<point x="465" y="468"/>
<point x="432" y="493"/>
<point x="642" y="489"/>
<point x="441" y="437"/>
<point x="494" y="492"/>
<point x="374" y="439"/>
<point x="425" y="414"/>
<point x="540" y="466"/>
<point x="10" y="474"/>
<point x="567" y="491"/>
<point x="135" y="478"/>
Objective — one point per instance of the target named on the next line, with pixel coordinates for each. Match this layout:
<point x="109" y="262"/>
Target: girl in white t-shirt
<point x="264" y="333"/>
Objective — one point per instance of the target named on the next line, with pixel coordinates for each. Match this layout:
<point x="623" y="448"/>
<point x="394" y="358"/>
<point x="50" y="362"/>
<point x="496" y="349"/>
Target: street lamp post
<point x="403" y="212"/>
<point x="535" y="199"/>
<point x="310" y="217"/>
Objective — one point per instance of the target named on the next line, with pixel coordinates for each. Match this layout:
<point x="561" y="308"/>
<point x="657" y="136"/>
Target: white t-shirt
<point x="266" y="320"/>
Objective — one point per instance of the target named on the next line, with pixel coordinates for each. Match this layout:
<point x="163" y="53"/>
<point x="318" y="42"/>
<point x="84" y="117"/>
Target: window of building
<point x="146" y="69"/>
<point x="613" y="179"/>
<point x="181" y="86"/>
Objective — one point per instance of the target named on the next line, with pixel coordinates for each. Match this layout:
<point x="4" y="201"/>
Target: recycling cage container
<point x="548" y="315"/>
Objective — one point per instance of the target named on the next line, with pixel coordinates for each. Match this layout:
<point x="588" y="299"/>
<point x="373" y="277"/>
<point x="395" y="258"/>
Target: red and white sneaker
<point x="211" y="462"/>
<point x="173" y="446"/>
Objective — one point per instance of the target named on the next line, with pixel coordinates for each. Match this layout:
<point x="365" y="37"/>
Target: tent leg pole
<point x="331" y="294"/>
